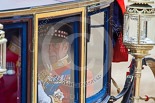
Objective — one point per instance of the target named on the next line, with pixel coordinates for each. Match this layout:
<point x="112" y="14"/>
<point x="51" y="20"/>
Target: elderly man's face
<point x="58" y="51"/>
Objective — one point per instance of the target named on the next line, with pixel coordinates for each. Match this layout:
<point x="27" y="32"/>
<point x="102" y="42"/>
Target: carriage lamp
<point x="3" y="41"/>
<point x="139" y="35"/>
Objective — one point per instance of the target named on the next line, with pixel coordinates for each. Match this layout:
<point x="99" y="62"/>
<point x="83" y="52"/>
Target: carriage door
<point x="97" y="57"/>
<point x="58" y="58"/>
<point x="13" y="83"/>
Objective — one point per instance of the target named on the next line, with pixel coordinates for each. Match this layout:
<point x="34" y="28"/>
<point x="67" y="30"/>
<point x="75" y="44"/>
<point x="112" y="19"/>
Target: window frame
<point x="103" y="94"/>
<point x="25" y="24"/>
<point x="81" y="77"/>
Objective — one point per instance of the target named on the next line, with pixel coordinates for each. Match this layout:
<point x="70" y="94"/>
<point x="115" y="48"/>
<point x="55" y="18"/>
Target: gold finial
<point x="1" y="26"/>
<point x="2" y="34"/>
<point x="2" y="71"/>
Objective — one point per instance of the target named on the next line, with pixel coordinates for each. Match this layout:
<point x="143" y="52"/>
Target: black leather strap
<point x="128" y="84"/>
<point x="128" y="94"/>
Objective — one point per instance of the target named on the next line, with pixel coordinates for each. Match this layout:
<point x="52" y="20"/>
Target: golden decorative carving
<point x="2" y="71"/>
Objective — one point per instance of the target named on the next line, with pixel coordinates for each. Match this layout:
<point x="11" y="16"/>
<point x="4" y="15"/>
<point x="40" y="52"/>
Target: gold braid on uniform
<point x="43" y="77"/>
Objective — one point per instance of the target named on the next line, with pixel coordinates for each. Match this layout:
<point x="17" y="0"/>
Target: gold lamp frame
<point x="138" y="50"/>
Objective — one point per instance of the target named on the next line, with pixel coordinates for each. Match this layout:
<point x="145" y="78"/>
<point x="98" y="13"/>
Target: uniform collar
<point x="61" y="63"/>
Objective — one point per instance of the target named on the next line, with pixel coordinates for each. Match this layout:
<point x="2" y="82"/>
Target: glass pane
<point x="95" y="51"/>
<point x="10" y="83"/>
<point x="131" y="28"/>
<point x="56" y="61"/>
<point x="147" y="33"/>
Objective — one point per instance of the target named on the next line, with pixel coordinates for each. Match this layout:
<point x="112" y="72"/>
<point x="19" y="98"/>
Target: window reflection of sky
<point x="16" y="4"/>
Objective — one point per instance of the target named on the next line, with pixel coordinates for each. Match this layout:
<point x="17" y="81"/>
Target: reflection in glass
<point x="131" y="28"/>
<point x="10" y="83"/>
<point x="139" y="25"/>
<point x="55" y="60"/>
<point x="147" y="33"/>
<point x="95" y="50"/>
<point x="143" y="30"/>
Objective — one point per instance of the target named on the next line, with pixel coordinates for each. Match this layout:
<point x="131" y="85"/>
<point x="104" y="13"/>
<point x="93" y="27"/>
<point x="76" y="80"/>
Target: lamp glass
<point x="131" y="28"/>
<point x="147" y="31"/>
<point x="138" y="29"/>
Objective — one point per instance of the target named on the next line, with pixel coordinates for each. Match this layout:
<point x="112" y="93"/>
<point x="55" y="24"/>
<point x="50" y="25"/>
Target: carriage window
<point x="10" y="83"/>
<point x="95" y="55"/>
<point x="56" y="57"/>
